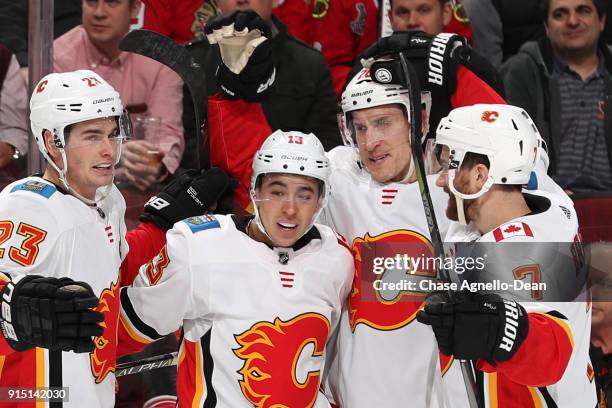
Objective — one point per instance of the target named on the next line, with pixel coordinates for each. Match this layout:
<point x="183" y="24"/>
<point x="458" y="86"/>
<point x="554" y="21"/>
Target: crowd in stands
<point x="550" y="57"/>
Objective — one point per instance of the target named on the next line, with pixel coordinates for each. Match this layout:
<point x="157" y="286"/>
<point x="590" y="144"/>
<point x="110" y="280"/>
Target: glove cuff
<point x="512" y="332"/>
<point x="253" y="84"/>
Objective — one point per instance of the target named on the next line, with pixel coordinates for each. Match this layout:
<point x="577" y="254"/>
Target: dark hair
<point x="442" y="3"/>
<point x="600" y="6"/>
<point x="472" y="159"/>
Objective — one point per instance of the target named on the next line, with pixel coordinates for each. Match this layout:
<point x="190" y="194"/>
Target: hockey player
<point x="385" y="358"/>
<point x="68" y="223"/>
<point x="258" y="297"/>
<point x="532" y="354"/>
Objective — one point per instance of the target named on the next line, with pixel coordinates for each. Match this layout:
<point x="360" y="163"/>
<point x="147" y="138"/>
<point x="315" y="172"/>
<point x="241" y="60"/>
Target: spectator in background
<point x="342" y="30"/>
<point x="14" y="25"/>
<point x="146" y="86"/>
<point x="563" y="81"/>
<point x="600" y="275"/>
<point x="297" y="16"/>
<point x="299" y="96"/>
<point x="502" y="26"/>
<point x="13" y="107"/>
<point x="181" y="20"/>
<point x="345" y="28"/>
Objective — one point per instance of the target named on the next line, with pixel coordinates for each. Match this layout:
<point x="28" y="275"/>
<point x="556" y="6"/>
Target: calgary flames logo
<point x="389" y="310"/>
<point x="489" y="116"/>
<point x="103" y="358"/>
<point x="282" y="361"/>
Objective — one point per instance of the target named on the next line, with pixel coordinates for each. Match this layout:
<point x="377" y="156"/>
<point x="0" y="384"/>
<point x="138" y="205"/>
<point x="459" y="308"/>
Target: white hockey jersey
<point x="385" y="357"/>
<point x="256" y="319"/>
<point x="46" y="232"/>
<point x="556" y="326"/>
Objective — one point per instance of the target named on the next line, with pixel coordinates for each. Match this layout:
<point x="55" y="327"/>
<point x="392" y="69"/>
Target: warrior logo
<point x="387" y="310"/>
<point x="283" y="360"/>
<point x="103" y="358"/>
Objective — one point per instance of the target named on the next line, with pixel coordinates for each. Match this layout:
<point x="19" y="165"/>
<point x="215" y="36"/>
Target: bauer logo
<point x="294" y="158"/>
<point x="383" y="75"/>
<point x="103" y="100"/>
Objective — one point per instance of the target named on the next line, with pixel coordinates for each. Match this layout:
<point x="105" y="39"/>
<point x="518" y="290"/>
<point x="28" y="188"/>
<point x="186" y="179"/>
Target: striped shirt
<point x="584" y="160"/>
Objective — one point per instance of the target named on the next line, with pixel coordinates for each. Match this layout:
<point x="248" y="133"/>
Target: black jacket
<point x="14" y="23"/>
<point x="302" y="97"/>
<point x="528" y="83"/>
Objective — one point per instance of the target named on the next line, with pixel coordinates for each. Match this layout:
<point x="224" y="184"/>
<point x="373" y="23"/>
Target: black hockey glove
<point x="247" y="70"/>
<point x="474" y="325"/>
<point x="433" y="57"/>
<point x="51" y="313"/>
<point x="191" y="193"/>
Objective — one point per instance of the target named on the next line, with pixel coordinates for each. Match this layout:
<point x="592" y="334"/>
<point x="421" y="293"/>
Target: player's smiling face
<point x="383" y="136"/>
<point x="91" y="151"/>
<point x="287" y="205"/>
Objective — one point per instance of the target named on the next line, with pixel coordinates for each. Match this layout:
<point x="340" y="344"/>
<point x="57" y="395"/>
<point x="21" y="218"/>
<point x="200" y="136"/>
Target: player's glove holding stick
<point x="56" y="314"/>
<point x="474" y="325"/>
<point x="247" y="71"/>
<point x="189" y="194"/>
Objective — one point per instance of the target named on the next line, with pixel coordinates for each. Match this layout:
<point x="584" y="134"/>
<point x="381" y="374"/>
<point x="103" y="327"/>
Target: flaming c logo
<point x="489" y="116"/>
<point x="103" y="358"/>
<point x="376" y="312"/>
<point x="282" y="361"/>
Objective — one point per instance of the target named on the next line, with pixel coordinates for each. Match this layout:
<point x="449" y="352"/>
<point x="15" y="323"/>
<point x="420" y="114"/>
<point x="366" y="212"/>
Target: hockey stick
<point x="414" y="91"/>
<point x="146" y="364"/>
<point x="165" y="51"/>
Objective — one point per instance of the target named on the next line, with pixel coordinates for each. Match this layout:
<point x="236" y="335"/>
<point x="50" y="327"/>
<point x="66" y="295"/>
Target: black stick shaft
<point x="146" y="364"/>
<point x="414" y="91"/>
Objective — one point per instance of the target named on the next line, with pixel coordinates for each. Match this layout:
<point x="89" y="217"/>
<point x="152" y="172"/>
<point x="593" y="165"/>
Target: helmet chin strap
<point x="459" y="197"/>
<point x="62" y="175"/>
<point x="409" y="173"/>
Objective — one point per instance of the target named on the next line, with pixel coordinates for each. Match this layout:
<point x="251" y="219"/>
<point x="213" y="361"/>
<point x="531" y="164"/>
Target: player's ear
<point x="51" y="148"/>
<point x="480" y="174"/>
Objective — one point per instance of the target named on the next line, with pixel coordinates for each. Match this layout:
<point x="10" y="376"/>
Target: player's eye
<point x="305" y="198"/>
<point x="93" y="138"/>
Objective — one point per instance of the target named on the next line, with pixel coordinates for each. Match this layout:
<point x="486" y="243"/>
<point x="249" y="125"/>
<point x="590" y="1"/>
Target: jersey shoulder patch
<point x="37" y="187"/>
<point x="512" y="229"/>
<point x="202" y="222"/>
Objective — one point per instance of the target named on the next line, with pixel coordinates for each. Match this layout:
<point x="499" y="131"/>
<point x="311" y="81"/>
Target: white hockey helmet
<point x="295" y="153"/>
<point x="504" y="133"/>
<point x="63" y="99"/>
<point x="361" y="93"/>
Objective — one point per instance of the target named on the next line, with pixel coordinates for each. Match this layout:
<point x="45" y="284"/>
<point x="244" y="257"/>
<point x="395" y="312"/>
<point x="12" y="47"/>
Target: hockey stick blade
<point x="146" y="364"/>
<point x="412" y="83"/>
<point x="165" y="51"/>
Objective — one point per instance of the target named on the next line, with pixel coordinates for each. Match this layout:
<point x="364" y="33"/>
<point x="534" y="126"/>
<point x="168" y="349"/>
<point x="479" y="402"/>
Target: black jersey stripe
<point x="141" y="326"/>
<point x="209" y="365"/>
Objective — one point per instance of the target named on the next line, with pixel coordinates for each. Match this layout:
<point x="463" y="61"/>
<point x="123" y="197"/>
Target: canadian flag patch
<point x="512" y="229"/>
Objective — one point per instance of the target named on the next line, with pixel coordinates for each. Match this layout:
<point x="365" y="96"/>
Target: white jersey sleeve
<point x="29" y="232"/>
<point x="161" y="296"/>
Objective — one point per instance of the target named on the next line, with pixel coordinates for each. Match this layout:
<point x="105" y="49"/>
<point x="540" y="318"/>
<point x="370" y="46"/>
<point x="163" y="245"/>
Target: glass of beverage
<point x="147" y="129"/>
